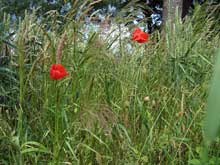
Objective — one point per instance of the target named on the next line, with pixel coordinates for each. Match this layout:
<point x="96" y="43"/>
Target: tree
<point x="18" y="7"/>
<point x="170" y="8"/>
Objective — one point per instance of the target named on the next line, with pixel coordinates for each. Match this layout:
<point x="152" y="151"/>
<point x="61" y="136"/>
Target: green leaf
<point x="32" y="146"/>
<point x="212" y="120"/>
<point x="145" y="159"/>
<point x="194" y="162"/>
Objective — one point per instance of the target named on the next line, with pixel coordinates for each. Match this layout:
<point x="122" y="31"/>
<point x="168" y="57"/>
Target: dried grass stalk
<point x="60" y="48"/>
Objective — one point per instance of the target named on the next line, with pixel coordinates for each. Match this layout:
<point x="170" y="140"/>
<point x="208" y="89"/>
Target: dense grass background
<point x="139" y="106"/>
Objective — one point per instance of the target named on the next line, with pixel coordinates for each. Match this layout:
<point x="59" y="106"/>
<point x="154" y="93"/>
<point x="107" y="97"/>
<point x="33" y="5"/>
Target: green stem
<point x="21" y="71"/>
<point x="56" y="127"/>
<point x="120" y="40"/>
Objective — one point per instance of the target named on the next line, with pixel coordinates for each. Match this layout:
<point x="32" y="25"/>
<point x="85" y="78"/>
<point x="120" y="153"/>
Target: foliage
<point x="18" y="7"/>
<point x="140" y="106"/>
<point x="213" y="118"/>
<point x="7" y="72"/>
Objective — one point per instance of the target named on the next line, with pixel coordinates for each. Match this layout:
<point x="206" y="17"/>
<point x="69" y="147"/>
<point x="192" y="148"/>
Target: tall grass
<point x="145" y="106"/>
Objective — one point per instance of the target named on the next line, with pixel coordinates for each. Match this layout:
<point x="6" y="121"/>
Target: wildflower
<point x="57" y="71"/>
<point x="139" y="36"/>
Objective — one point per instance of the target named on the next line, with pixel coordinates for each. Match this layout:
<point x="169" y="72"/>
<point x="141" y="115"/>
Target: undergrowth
<point x="141" y="106"/>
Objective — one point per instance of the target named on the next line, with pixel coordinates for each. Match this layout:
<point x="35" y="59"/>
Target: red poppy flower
<point x="57" y="71"/>
<point x="139" y="36"/>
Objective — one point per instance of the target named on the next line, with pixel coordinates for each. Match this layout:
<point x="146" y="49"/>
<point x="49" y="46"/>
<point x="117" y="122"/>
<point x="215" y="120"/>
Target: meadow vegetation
<point x="143" y="105"/>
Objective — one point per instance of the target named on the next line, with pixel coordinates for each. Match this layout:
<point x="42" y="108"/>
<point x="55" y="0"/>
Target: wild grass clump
<point x="141" y="106"/>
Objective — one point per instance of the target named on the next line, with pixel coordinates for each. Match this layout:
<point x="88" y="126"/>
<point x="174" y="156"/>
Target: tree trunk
<point x="186" y="6"/>
<point x="170" y="8"/>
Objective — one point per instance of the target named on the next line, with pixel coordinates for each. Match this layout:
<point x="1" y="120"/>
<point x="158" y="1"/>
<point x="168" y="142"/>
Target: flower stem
<point x="56" y="127"/>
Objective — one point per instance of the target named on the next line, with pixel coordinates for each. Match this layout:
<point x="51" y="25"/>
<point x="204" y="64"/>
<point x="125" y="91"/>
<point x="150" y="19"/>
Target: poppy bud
<point x="146" y="98"/>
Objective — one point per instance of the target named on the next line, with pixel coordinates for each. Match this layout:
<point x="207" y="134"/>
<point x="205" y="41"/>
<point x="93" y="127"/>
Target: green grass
<point x="98" y="114"/>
